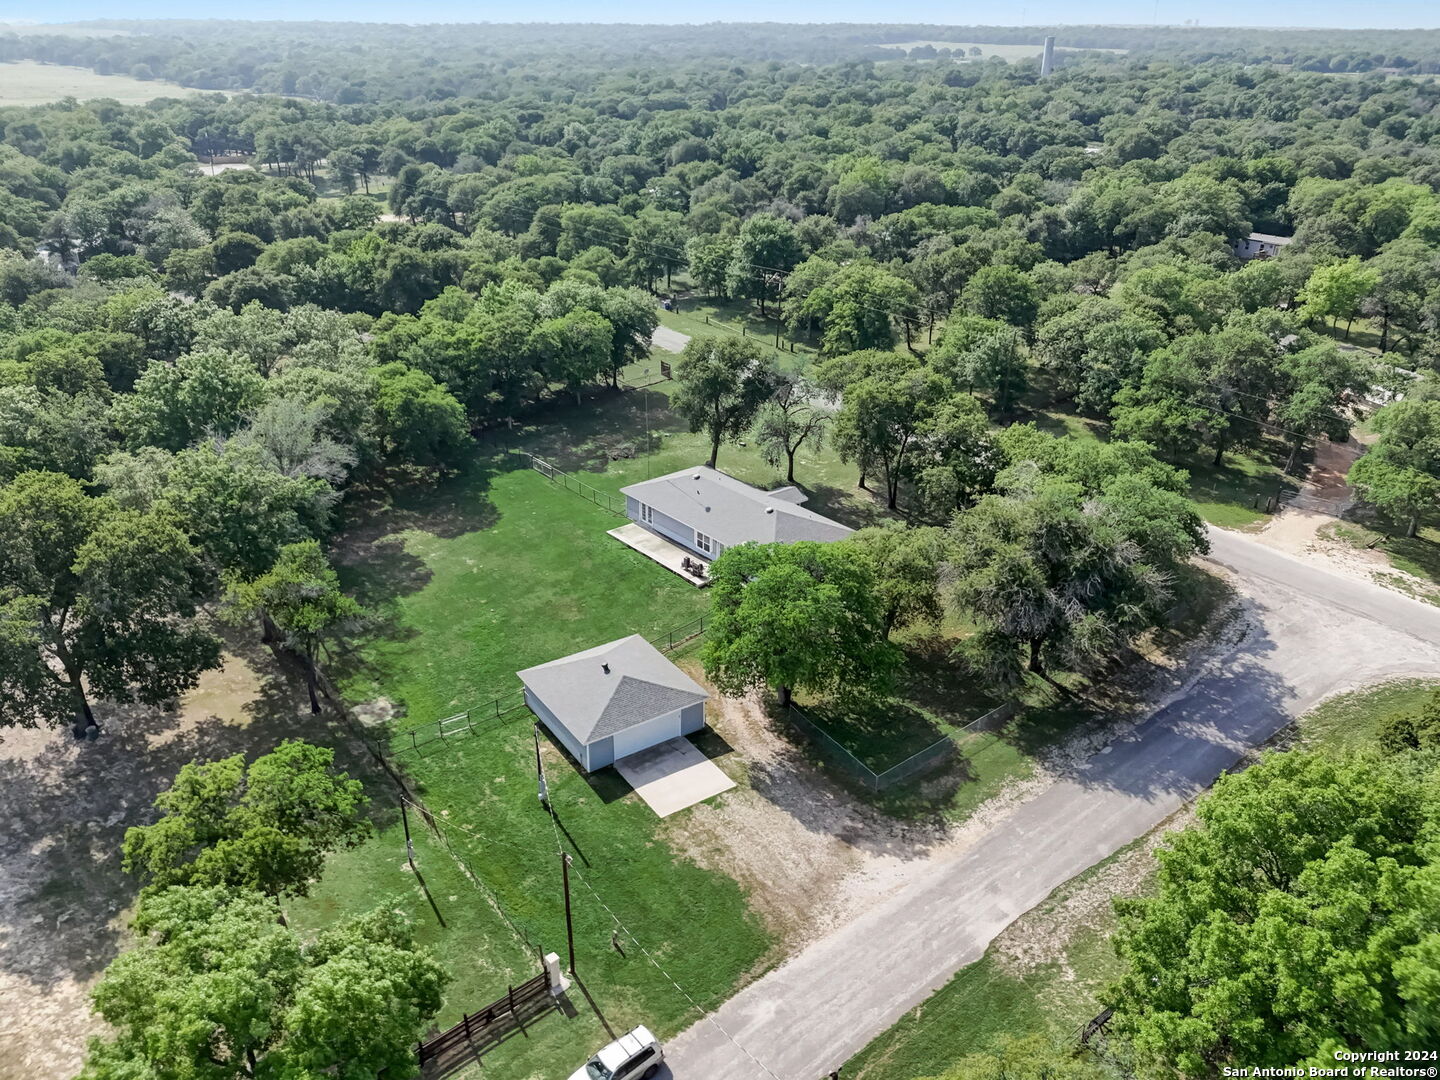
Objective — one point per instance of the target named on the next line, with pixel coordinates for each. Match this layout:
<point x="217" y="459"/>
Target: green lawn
<point x="933" y="700"/>
<point x="1231" y="495"/>
<point x="700" y="316"/>
<point x="492" y="571"/>
<point x="1234" y="494"/>
<point x="1352" y="721"/>
<point x="603" y="442"/>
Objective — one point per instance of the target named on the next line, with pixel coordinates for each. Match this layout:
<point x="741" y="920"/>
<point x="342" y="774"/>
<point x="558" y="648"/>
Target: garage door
<point x="643" y="736"/>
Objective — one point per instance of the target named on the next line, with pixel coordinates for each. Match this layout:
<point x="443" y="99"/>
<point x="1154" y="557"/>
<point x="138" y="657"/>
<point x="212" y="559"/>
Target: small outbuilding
<point x="614" y="700"/>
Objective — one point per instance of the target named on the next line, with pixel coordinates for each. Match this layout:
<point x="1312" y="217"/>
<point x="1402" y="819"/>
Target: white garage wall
<point x="642" y="736"/>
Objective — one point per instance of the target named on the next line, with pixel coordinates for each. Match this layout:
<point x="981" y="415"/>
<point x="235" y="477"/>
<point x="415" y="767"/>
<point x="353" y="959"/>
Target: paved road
<point x="1314" y="633"/>
<point x="669" y="340"/>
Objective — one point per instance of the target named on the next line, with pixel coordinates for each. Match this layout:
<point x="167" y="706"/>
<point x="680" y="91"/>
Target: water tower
<point x="1047" y="58"/>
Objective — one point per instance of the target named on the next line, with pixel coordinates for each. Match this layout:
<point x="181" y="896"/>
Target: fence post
<point x="558" y="983"/>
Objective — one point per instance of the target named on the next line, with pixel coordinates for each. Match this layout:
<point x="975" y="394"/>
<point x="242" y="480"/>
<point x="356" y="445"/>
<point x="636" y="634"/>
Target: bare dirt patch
<point x="812" y="856"/>
<point x="1315" y="537"/>
<point x="66" y="804"/>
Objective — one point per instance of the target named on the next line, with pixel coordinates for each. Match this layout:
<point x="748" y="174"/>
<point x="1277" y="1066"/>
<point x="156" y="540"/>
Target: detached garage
<point x="615" y="700"/>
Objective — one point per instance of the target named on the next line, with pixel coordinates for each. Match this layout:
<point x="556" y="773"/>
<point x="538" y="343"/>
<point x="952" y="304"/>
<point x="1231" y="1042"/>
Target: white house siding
<point x="558" y="729"/>
<point x="663" y="524"/>
<point x="692" y="718"/>
<point x="602" y="753"/>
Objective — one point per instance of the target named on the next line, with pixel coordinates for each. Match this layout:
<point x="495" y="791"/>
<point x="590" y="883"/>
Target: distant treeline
<point x="366" y="62"/>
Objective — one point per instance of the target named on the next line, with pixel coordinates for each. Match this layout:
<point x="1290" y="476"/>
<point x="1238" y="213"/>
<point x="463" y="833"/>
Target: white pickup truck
<point x="636" y="1055"/>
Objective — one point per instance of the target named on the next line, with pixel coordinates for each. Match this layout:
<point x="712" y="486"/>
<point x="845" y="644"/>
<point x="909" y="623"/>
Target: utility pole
<point x="409" y="844"/>
<point x="569" y="924"/>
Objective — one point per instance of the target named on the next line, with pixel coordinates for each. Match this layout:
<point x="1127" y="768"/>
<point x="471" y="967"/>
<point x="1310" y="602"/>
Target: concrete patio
<point x="673" y="776"/>
<point x="656" y="547"/>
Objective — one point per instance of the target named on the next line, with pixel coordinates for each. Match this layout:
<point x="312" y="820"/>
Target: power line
<point x="523" y="932"/>
<point x="706" y="1013"/>
<point x="560" y="847"/>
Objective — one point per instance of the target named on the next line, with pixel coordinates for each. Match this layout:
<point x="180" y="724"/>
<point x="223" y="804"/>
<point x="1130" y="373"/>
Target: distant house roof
<point x="611" y="687"/>
<point x="1268" y="238"/>
<point x="733" y="512"/>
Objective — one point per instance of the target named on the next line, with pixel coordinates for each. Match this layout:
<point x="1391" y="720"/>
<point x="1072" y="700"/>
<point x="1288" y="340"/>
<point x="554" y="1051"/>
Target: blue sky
<point x="1386" y="13"/>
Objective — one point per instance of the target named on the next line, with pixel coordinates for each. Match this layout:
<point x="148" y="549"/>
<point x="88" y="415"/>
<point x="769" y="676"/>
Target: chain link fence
<point x="614" y="503"/>
<point x="942" y="749"/>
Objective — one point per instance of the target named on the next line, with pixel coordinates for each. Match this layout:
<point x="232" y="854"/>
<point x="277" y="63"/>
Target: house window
<point x="647" y="515"/>
<point x="703" y="542"/>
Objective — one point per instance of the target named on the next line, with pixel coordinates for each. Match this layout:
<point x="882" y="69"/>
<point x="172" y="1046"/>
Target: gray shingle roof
<point x="1269" y="238"/>
<point x="732" y="511"/>
<point x="612" y="687"/>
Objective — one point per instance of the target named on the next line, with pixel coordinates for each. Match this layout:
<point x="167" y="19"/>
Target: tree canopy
<point x="217" y="988"/>
<point x="266" y="825"/>
<point x="802" y="616"/>
<point x="1294" y="919"/>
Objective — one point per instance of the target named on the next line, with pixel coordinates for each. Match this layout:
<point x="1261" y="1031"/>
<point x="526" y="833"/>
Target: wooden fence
<point x="481" y="1030"/>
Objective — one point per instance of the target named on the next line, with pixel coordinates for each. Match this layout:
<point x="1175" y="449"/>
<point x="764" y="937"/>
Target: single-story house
<point x="707" y="511"/>
<point x="1261" y="246"/>
<point x="606" y="703"/>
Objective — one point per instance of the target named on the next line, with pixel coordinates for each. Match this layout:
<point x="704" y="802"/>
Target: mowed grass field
<point x="496" y="568"/>
<point x="493" y="571"/>
<point x="28" y="82"/>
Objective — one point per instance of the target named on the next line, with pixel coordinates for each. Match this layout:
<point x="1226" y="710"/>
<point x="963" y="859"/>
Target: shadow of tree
<point x="849" y="507"/>
<point x="67" y="804"/>
<point x="587" y="440"/>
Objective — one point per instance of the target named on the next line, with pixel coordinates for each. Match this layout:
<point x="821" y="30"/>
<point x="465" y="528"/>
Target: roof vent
<point x="606" y="668"/>
<point x="695" y="477"/>
<point x="769" y="509"/>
